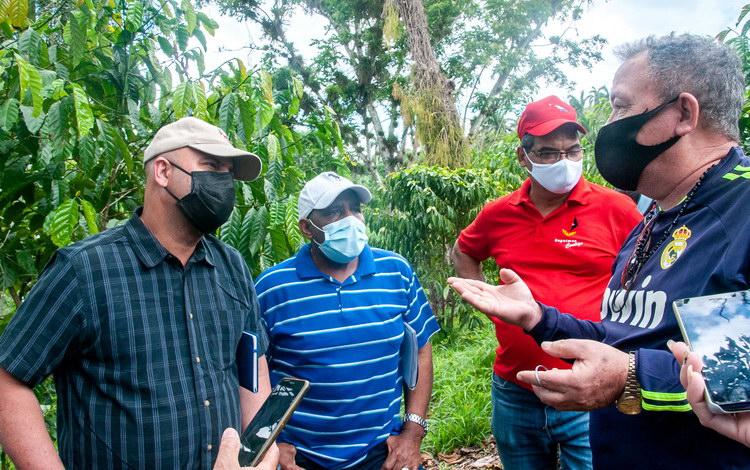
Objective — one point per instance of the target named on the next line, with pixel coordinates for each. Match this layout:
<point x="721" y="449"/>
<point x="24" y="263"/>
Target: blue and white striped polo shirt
<point x="344" y="337"/>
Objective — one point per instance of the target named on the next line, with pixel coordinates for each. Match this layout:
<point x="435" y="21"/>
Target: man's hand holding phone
<point x="271" y="419"/>
<point x="735" y="426"/>
<point x="229" y="452"/>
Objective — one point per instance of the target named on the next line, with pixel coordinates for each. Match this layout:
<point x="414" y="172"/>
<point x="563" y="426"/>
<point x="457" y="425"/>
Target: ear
<point x="162" y="171"/>
<point x="304" y="227"/>
<point x="689" y="114"/>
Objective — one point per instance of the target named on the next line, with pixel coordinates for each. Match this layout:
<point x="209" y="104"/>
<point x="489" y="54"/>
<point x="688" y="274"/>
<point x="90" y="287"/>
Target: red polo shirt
<point x="565" y="258"/>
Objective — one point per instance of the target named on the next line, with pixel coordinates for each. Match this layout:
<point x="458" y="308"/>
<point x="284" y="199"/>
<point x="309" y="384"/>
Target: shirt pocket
<point x="224" y="325"/>
<point x="222" y="335"/>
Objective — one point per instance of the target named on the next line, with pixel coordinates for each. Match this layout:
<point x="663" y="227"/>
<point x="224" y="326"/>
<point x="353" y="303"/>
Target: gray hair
<point x="699" y="65"/>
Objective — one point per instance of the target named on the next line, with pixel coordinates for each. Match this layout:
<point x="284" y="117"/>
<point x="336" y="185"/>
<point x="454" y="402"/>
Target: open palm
<point x="510" y="302"/>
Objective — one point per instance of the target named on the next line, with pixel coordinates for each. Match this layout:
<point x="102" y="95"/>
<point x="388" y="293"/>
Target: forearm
<point x="251" y="402"/>
<point x="418" y="400"/>
<point x="23" y="434"/>
<point x="555" y="325"/>
<point x="466" y="266"/>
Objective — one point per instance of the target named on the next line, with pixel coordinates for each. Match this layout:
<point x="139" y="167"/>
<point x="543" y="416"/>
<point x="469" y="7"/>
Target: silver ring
<point x="536" y="374"/>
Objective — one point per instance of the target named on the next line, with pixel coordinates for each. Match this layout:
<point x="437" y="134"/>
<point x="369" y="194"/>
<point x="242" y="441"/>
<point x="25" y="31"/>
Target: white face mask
<point x="559" y="177"/>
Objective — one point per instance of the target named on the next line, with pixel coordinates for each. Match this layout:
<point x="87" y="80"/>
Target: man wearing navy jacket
<point x="672" y="136"/>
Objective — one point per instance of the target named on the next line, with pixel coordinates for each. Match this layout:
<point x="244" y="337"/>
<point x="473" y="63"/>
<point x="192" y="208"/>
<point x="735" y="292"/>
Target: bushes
<point x="419" y="214"/>
<point x="461" y="405"/>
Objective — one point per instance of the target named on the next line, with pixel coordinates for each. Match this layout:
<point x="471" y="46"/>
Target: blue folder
<point x="409" y="357"/>
<point x="247" y="361"/>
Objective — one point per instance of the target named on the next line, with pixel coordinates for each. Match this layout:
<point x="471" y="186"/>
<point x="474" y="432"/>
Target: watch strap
<point x="632" y="392"/>
<point x="415" y="418"/>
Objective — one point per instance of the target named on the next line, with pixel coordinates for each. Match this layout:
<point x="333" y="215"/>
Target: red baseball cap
<point x="544" y="116"/>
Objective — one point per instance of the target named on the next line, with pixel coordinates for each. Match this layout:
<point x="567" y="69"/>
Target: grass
<point x="461" y="406"/>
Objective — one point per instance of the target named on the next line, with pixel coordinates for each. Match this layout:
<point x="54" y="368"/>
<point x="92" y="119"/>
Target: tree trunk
<point x="379" y="132"/>
<point x="431" y="98"/>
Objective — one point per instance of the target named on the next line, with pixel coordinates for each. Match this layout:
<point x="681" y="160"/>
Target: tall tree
<point x="495" y="54"/>
<point x="431" y="101"/>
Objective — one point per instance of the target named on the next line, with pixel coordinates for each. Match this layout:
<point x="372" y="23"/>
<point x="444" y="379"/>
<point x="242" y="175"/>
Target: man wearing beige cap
<point x="337" y="314"/>
<point x="139" y="326"/>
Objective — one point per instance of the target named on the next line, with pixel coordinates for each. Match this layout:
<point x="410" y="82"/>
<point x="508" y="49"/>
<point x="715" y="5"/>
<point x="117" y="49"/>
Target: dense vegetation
<point x="84" y="86"/>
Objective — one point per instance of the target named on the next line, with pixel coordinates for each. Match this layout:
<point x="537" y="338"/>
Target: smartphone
<point x="270" y="419"/>
<point x="717" y="328"/>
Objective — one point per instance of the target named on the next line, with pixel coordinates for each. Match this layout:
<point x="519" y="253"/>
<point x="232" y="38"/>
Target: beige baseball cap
<point x="204" y="137"/>
<point x="322" y="190"/>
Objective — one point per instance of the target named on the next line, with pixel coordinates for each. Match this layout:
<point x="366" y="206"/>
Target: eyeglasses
<point x="554" y="156"/>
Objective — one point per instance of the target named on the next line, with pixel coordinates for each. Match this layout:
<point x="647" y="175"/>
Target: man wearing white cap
<point x="337" y="314"/>
<point x="140" y="325"/>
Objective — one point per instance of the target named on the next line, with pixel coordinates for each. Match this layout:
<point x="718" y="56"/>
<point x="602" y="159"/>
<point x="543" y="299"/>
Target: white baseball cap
<point x="322" y="190"/>
<point x="204" y="137"/>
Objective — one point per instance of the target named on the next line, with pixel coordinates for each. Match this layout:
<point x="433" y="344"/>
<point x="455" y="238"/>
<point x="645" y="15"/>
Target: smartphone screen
<point x="717" y="328"/>
<point x="270" y="419"/>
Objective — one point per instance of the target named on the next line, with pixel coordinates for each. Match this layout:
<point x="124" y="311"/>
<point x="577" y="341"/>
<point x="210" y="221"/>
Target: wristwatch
<point x="629" y="402"/>
<point x="415" y="418"/>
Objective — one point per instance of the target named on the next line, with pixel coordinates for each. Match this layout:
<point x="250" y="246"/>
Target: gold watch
<point x="629" y="402"/>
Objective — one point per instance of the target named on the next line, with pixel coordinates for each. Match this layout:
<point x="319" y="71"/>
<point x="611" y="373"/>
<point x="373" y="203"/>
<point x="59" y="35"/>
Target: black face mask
<point x="210" y="200"/>
<point x="621" y="159"/>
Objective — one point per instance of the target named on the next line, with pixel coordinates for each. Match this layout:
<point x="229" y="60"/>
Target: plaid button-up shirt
<point x="143" y="351"/>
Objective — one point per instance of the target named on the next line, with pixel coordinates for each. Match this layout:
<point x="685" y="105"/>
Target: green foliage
<point x="391" y="25"/>
<point x="84" y="87"/>
<point x="14" y="12"/>
<point x="442" y="138"/>
<point x="593" y="109"/>
<point x="362" y="64"/>
<point x="739" y="38"/>
<point x="78" y="89"/>
<point x="461" y="406"/>
<point x="420" y="213"/>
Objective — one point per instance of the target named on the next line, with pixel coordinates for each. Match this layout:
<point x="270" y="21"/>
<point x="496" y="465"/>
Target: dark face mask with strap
<point x="210" y="200"/>
<point x="619" y="157"/>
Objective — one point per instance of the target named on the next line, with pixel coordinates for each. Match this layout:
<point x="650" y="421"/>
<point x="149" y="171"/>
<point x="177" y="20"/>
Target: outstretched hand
<point x="735" y="426"/>
<point x="510" y="302"/>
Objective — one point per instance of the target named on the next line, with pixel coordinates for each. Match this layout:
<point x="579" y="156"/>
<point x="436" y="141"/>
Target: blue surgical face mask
<point x="344" y="239"/>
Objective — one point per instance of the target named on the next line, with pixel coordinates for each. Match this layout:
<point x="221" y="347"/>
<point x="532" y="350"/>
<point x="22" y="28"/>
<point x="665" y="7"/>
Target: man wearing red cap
<point x="560" y="233"/>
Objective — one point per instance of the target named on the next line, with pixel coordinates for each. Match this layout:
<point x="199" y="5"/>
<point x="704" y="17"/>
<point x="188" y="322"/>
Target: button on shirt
<point x="142" y="349"/>
<point x="345" y="338"/>
<point x="565" y="258"/>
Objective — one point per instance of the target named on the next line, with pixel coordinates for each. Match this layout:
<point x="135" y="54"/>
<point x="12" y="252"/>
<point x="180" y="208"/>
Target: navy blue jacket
<point x="707" y="252"/>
